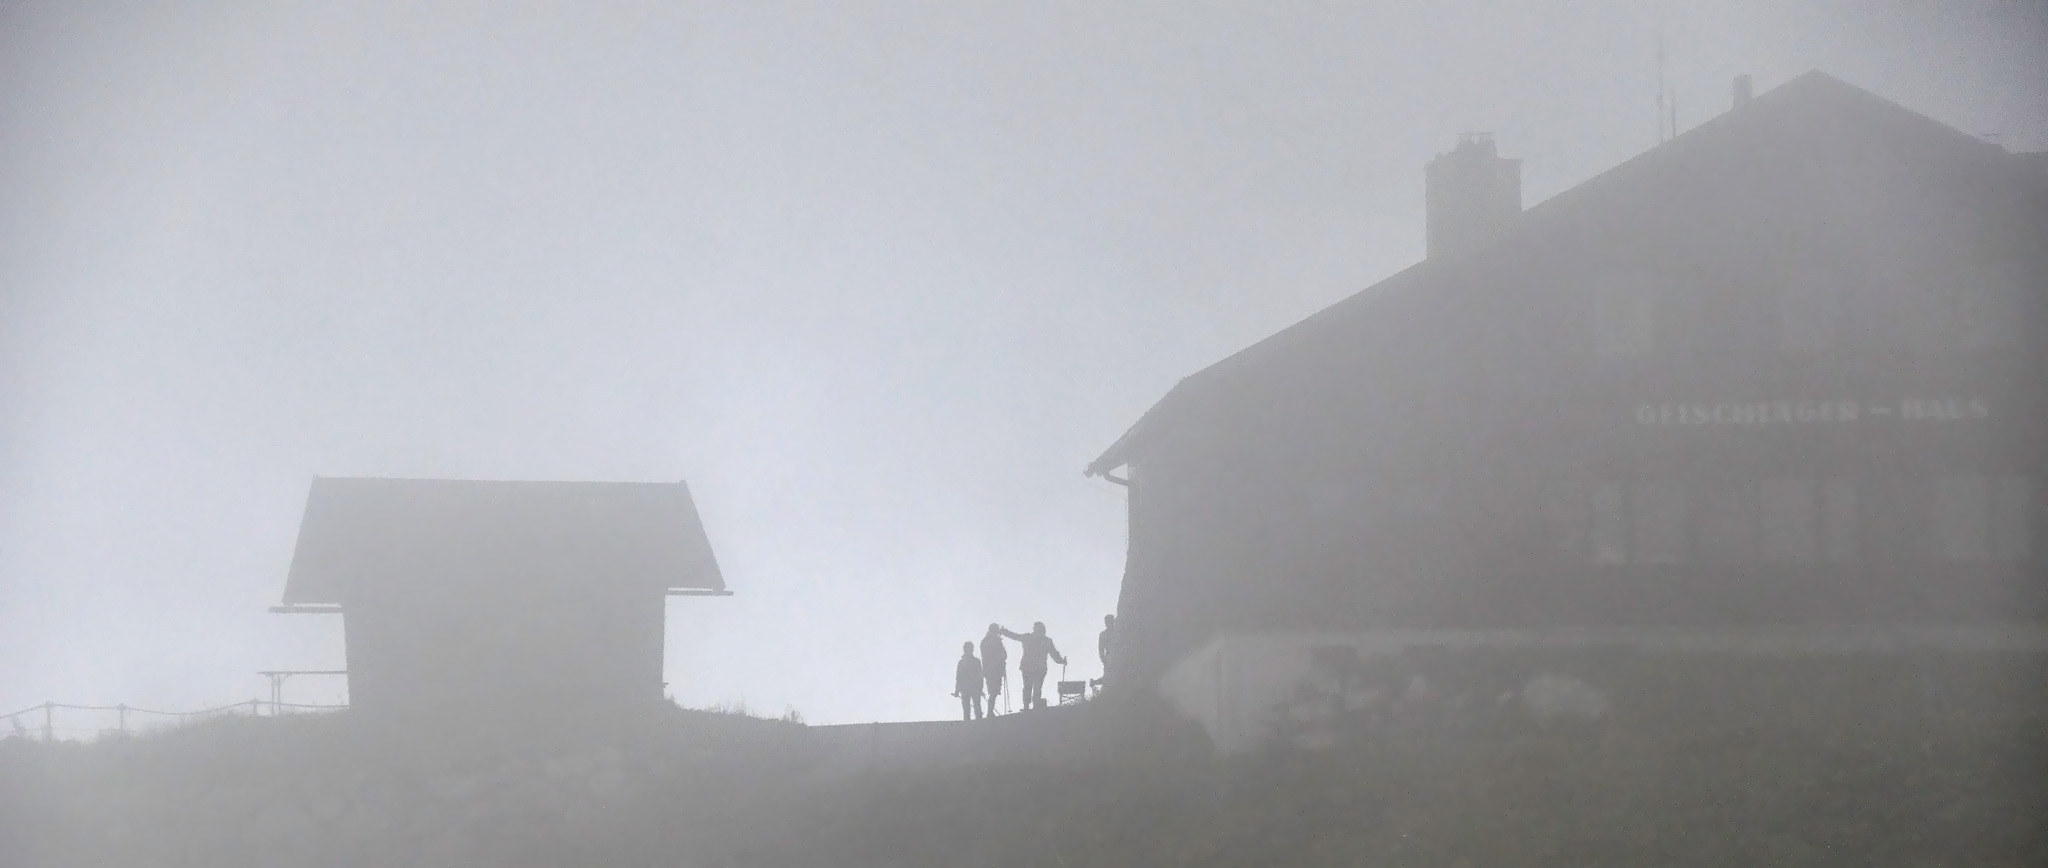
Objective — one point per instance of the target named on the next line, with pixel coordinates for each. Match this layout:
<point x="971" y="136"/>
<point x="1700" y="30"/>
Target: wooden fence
<point x="52" y="721"/>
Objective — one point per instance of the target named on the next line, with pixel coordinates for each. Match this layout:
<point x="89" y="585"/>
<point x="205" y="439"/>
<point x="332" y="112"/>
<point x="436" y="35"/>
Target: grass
<point x="727" y="788"/>
<point x="1781" y="796"/>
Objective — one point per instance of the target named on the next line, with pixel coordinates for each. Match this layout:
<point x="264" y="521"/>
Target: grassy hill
<point x="702" y="789"/>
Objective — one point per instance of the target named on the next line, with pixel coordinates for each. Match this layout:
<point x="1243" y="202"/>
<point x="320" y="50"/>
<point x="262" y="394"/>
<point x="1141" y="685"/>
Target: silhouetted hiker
<point x="1037" y="647"/>
<point x="995" y="663"/>
<point x="967" y="683"/>
<point x="1102" y="642"/>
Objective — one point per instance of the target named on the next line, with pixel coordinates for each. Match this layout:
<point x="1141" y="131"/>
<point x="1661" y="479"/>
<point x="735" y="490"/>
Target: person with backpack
<point x="995" y="662"/>
<point x="967" y="683"/>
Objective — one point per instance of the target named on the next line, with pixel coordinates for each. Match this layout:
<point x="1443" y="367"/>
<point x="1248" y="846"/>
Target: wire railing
<point x="56" y="721"/>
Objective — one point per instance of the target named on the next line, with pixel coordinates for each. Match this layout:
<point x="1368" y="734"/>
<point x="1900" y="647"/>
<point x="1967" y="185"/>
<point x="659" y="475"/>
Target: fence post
<point x="123" y="707"/>
<point x="49" y="722"/>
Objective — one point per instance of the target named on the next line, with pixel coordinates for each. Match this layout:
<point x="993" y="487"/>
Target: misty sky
<point x="877" y="279"/>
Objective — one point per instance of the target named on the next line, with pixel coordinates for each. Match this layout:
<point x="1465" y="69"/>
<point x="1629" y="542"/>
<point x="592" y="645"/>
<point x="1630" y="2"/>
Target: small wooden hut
<point x="507" y="601"/>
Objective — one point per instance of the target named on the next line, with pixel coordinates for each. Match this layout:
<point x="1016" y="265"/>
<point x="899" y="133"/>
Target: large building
<point x="512" y="602"/>
<point x="1779" y="376"/>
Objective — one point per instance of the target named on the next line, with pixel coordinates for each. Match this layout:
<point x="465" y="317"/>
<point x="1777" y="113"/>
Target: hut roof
<point x="412" y="535"/>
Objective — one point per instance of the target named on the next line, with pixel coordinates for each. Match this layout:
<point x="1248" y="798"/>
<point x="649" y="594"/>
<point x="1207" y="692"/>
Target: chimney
<point x="1742" y="91"/>
<point x="1471" y="193"/>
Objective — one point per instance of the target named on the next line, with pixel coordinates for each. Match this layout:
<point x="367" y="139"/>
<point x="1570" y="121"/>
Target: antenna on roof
<point x="1667" y="96"/>
<point x="1660" y="77"/>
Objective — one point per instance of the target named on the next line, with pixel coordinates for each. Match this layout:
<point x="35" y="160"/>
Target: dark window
<point x="1990" y="311"/>
<point x="1838" y="520"/>
<point x="1807" y="315"/>
<point x="1727" y="523"/>
<point x="1418" y="498"/>
<point x="1776" y="520"/>
<point x="1962" y="517"/>
<point x="2012" y="515"/>
<point x="1659" y="522"/>
<point x="1565" y="518"/>
<point x="1977" y="517"/>
<point x="1786" y="508"/>
<point x="1977" y="311"/>
<point x="1641" y="523"/>
<point x="1610" y="524"/>
<point x="1624" y="321"/>
<point x="1892" y="526"/>
<point x="1783" y="520"/>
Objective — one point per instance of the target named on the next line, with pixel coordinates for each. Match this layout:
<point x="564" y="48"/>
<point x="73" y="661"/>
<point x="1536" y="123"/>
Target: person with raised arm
<point x="1037" y="648"/>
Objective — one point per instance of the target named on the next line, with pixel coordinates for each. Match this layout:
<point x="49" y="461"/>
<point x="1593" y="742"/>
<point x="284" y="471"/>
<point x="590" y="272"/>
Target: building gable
<point x="1814" y="169"/>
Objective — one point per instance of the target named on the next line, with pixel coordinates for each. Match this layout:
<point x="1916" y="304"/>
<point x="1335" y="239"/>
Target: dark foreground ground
<point x="700" y="789"/>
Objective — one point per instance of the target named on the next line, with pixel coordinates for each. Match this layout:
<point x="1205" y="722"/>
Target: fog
<point x="878" y="280"/>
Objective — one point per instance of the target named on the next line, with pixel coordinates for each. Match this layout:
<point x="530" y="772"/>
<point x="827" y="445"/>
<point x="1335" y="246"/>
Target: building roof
<point x="1801" y="121"/>
<point x="400" y="535"/>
